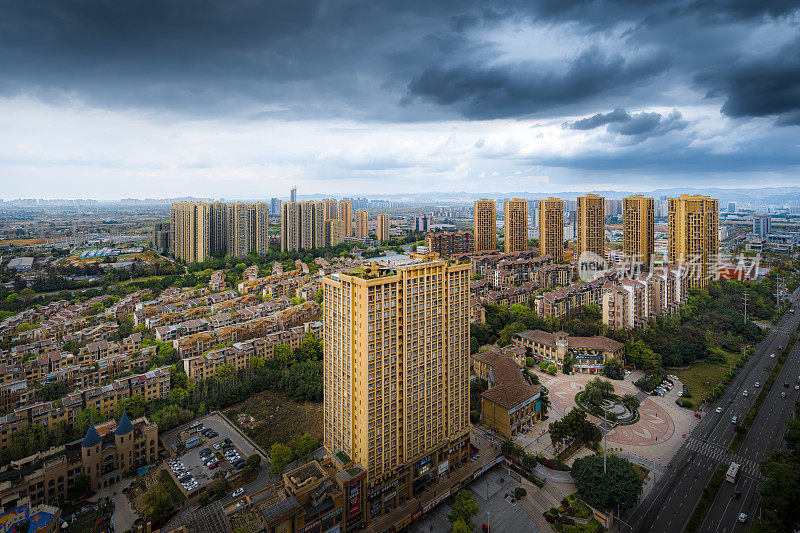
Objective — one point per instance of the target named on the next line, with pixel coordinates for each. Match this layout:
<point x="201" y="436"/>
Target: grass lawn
<point x="278" y="418"/>
<point x="700" y="378"/>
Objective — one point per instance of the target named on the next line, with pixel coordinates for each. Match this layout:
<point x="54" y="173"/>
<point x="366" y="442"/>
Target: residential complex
<point x="591" y="226"/>
<point x="485" y="225"/>
<point x="334" y="232"/>
<point x="312" y="225"/>
<point x="331" y="208"/>
<point x="448" y="243"/>
<point x="382" y="229"/>
<point x="290" y="227"/>
<point x="198" y="229"/>
<point x="346" y="216"/>
<point x="694" y="236"/>
<point x="396" y="374"/>
<point x="516" y="225"/>
<point x="362" y="224"/>
<point x="638" y="228"/>
<point x="551" y="228"/>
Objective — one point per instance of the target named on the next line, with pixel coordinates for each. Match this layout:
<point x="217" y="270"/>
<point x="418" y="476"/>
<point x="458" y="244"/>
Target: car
<point x="217" y="446"/>
<point x="797" y="387"/>
<point x="719" y="409"/>
<point x="237" y="493"/>
<point x="680" y="394"/>
<point x="730" y="400"/>
<point x="742" y="518"/>
<point x="228" y="440"/>
<point x="485" y="528"/>
<point x="745" y="393"/>
<point x="757" y="385"/>
<point x="240" y="464"/>
<point x="735" y="494"/>
<point x="783" y="394"/>
<point x="773" y="356"/>
<point x="786" y="384"/>
<point x="212" y="466"/>
<point x="734" y="419"/>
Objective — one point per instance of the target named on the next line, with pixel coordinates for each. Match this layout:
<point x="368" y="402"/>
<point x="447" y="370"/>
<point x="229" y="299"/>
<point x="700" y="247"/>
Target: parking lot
<point x="220" y="451"/>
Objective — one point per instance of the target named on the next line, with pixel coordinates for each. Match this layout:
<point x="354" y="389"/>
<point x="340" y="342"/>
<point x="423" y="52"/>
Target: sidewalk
<point x="124" y="514"/>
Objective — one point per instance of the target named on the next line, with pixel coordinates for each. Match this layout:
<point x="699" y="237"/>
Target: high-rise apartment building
<point x="331" y="208"/>
<point x="312" y="225"/>
<point x="591" y="224"/>
<point x="247" y="228"/>
<point x="551" y="228"/>
<point x="762" y="225"/>
<point x="160" y="236"/>
<point x="190" y="231"/>
<point x="290" y="227"/>
<point x="218" y="233"/>
<point x="694" y="236"/>
<point x="346" y="216"/>
<point x="275" y="206"/>
<point x="382" y="229"/>
<point x="422" y="223"/>
<point x="638" y="228"/>
<point x="485" y="225"/>
<point x="293" y="195"/>
<point x="396" y="375"/>
<point x="362" y="224"/>
<point x="515" y="228"/>
<point x="334" y="232"/>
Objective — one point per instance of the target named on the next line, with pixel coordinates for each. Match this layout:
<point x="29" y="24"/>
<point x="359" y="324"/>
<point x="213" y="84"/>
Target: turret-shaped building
<point x="112" y="448"/>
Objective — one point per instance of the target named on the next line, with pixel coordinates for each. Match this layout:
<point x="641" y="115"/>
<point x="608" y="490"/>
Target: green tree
<point x="82" y="485"/>
<point x="305" y="445"/>
<point x="283" y="354"/>
<point x="254" y="461"/>
<point x="630" y="401"/>
<point x="613" y="369"/>
<point x="460" y="527"/>
<point x="464" y="509"/>
<point x="280" y="455"/>
<point x="619" y="486"/>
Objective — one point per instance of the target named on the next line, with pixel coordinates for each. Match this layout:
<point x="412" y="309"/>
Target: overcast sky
<point x="241" y="98"/>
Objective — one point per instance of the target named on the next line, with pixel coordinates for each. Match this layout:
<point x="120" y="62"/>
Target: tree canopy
<point x="618" y="486"/>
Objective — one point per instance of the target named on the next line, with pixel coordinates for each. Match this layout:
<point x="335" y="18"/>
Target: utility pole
<point x="745" y="307"/>
<point x="605" y="437"/>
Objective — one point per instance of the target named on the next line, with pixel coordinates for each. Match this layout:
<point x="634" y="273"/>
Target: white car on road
<point x="719" y="409"/>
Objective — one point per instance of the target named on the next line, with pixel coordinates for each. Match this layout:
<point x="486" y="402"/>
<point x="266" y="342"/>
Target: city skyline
<point x="110" y="99"/>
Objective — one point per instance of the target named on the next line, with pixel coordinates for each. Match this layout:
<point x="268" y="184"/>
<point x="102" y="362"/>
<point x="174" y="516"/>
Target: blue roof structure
<point x="124" y="427"/>
<point x="92" y="437"/>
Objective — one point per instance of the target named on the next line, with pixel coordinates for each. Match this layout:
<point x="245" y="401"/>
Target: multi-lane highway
<point x="669" y="505"/>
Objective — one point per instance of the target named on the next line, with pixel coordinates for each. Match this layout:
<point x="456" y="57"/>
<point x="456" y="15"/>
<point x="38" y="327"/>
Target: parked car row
<point x="208" y="458"/>
<point x="233" y="456"/>
<point x="184" y="477"/>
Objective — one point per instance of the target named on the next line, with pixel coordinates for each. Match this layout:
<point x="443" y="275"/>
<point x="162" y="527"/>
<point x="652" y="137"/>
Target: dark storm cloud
<point x="520" y="89"/>
<point x="641" y="126"/>
<point x="764" y="86"/>
<point x="391" y="61"/>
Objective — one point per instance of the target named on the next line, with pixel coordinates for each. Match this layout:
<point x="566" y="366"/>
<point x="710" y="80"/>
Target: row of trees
<point x="780" y="491"/>
<point x="281" y="455"/>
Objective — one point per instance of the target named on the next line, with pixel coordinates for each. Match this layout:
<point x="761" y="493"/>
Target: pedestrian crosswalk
<point x="721" y="454"/>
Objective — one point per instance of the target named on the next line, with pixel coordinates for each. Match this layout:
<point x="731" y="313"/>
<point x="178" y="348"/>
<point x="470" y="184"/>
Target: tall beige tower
<point x="551" y="228"/>
<point x="396" y="372"/>
<point x="247" y="228"/>
<point x="382" y="230"/>
<point x="591" y="224"/>
<point x="485" y="225"/>
<point x="346" y="216"/>
<point x="515" y="228"/>
<point x="191" y="229"/>
<point x="694" y="236"/>
<point x="331" y="208"/>
<point x="362" y="224"/>
<point x="312" y="225"/>
<point x="334" y="232"/>
<point x="638" y="228"/>
<point x="290" y="226"/>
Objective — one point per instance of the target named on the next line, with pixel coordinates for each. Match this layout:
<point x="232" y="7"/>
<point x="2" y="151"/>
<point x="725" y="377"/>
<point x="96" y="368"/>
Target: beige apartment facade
<point x="382" y="229"/>
<point x="346" y="216"/>
<point x="694" y="236"/>
<point x="312" y="225"/>
<point x="396" y="374"/>
<point x="190" y="227"/>
<point x="247" y="228"/>
<point x="331" y="208"/>
<point x="638" y="229"/>
<point x="290" y="227"/>
<point x="551" y="228"/>
<point x="591" y="226"/>
<point x="334" y="232"/>
<point x="515" y="228"/>
<point x="362" y="224"/>
<point x="485" y="225"/>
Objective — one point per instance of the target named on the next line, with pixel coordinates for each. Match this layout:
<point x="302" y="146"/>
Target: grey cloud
<point x="768" y="86"/>
<point x="641" y="126"/>
<point x="521" y="89"/>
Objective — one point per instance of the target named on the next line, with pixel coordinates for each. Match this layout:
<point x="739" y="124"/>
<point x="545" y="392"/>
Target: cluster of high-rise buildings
<point x="693" y="229"/>
<point x="200" y="229"/>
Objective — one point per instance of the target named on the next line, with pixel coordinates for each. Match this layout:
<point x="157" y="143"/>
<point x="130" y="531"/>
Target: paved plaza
<point x="653" y="439"/>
